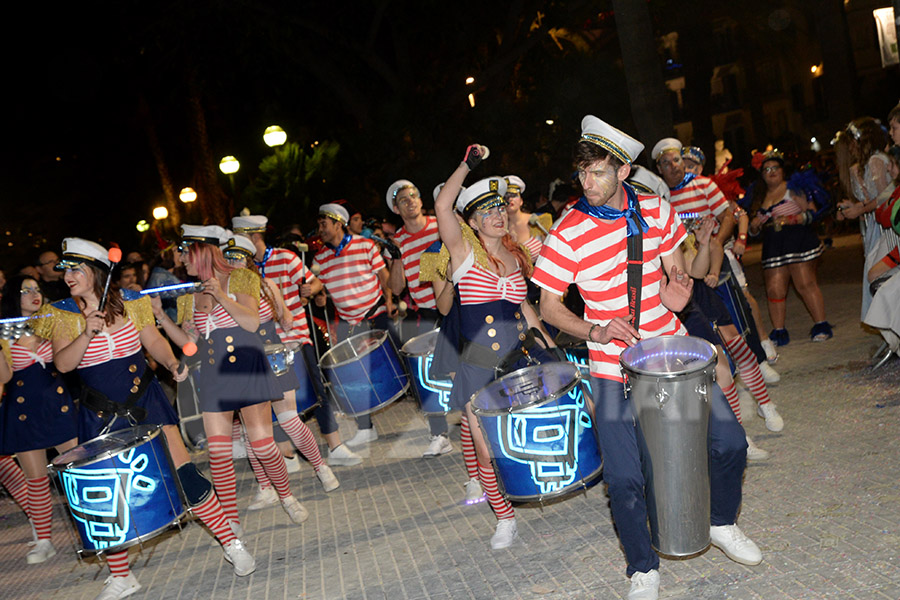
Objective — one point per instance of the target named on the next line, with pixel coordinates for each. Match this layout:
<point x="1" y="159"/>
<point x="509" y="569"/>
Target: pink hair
<point x="208" y="260"/>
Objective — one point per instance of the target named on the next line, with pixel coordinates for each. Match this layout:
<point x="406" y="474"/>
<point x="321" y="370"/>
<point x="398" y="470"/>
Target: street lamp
<point x="142" y="225"/>
<point x="187" y="195"/>
<point x="274" y="136"/>
<point x="160" y="213"/>
<point x="229" y="165"/>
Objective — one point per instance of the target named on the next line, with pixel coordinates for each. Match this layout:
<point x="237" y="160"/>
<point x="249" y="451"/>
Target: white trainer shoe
<point x="42" y="550"/>
<point x="754" y="452"/>
<point x="295" y="510"/>
<point x="474" y="493"/>
<point x="736" y="546"/>
<point x="265" y="496"/>
<point x="769" y="374"/>
<point x="326" y="476"/>
<point x="767" y="411"/>
<point x="440" y="444"/>
<point x="292" y="464"/>
<point x="771" y="353"/>
<point x="119" y="587"/>
<point x="238" y="449"/>
<point x="237" y="555"/>
<point x="363" y="437"/>
<point x="644" y="586"/>
<point x="342" y="456"/>
<point x="505" y="535"/>
<point x="236" y="528"/>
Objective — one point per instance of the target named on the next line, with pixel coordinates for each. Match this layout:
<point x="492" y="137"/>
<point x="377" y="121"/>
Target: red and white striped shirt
<point x="266" y="312"/>
<point x="534" y="245"/>
<point x="289" y="273"/>
<point x="478" y="285"/>
<point x="701" y="195"/>
<point x="22" y="357"/>
<point x="105" y="346"/>
<point x="411" y="247"/>
<point x="592" y="253"/>
<point x="351" y="278"/>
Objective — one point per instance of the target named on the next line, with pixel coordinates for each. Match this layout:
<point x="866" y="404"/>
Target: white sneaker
<point x="236" y="528"/>
<point x="769" y="374"/>
<point x="326" y="476"/>
<point x="237" y="555"/>
<point x="295" y="510"/>
<point x="736" y="546"/>
<point x="440" y="444"/>
<point x="238" y="450"/>
<point x="644" y="586"/>
<point x="474" y="493"/>
<point x="42" y="550"/>
<point x="362" y="437"/>
<point x="771" y="353"/>
<point x="292" y="464"/>
<point x="119" y="587"/>
<point x="767" y="411"/>
<point x="754" y="452"/>
<point x="505" y="535"/>
<point x="265" y="496"/>
<point x="342" y="456"/>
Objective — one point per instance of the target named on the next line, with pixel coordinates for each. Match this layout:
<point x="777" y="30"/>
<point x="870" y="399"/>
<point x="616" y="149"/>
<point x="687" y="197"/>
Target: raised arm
<point x="448" y="226"/>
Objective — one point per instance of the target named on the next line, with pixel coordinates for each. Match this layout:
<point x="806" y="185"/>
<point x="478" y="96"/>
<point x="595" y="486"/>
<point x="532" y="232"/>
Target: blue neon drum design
<point x="732" y="297"/>
<point x="364" y="373"/>
<point x="433" y="394"/>
<point x="121" y="488"/>
<point x="539" y="431"/>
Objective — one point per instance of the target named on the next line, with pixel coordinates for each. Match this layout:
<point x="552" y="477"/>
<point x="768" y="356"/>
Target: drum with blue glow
<point x="280" y="358"/>
<point x="121" y="488"/>
<point x="364" y="373"/>
<point x="433" y="394"/>
<point x="733" y="298"/>
<point x="539" y="431"/>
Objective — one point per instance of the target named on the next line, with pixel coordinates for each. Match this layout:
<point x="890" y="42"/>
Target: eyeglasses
<point x="30" y="290"/>
<point x="770" y="169"/>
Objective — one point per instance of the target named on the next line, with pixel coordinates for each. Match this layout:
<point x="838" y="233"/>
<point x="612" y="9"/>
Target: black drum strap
<point x="635" y="270"/>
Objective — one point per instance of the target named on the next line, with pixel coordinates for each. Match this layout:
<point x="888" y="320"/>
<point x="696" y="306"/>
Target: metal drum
<point x="122" y="488"/>
<point x="280" y="358"/>
<point x="364" y="373"/>
<point x="539" y="432"/>
<point x="307" y="400"/>
<point x="670" y="380"/>
<point x="732" y="297"/>
<point x="433" y="394"/>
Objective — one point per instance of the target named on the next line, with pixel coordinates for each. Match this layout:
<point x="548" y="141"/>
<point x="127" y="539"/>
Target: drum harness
<point x="99" y="403"/>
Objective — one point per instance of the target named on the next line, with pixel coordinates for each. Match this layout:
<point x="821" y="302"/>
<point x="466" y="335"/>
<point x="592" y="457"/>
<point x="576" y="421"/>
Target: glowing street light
<point x="187" y="195"/>
<point x="142" y="225"/>
<point x="549" y="121"/>
<point x="160" y="213"/>
<point x="274" y="136"/>
<point x="472" y="100"/>
<point x="470" y="80"/>
<point x="229" y="165"/>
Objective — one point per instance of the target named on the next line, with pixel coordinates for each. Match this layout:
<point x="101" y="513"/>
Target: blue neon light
<point x="441" y="387"/>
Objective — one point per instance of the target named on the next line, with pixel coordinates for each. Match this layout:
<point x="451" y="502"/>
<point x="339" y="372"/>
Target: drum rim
<point x="384" y="404"/>
<point x="380" y="333"/>
<point x="491" y="412"/>
<point x="646" y="373"/>
<point x="134" y="541"/>
<point x="151" y="432"/>
<point x="577" y="486"/>
<point x="409" y="354"/>
<point x="278" y="345"/>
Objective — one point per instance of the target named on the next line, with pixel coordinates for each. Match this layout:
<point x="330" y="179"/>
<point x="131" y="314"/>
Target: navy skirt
<point x="37" y="412"/>
<point x="789" y="244"/>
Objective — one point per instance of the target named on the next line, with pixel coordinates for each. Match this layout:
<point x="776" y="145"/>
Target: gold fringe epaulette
<point x="433" y="265"/>
<point x="545" y="219"/>
<point x="244" y="281"/>
<point x="481" y="257"/>
<point x="140" y="312"/>
<point x="59" y="324"/>
<point x="185" y="305"/>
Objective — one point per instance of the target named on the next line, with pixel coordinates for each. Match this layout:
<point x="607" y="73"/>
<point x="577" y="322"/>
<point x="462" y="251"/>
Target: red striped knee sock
<point x="302" y="437"/>
<point x="13" y="479"/>
<point x="118" y="564"/>
<point x="40" y="506"/>
<point x="222" y="467"/>
<point x="210" y="512"/>
<point x="236" y="428"/>
<point x="468" y="448"/>
<point x="746" y="362"/>
<point x="734" y="401"/>
<point x="500" y="505"/>
<point x="273" y="462"/>
<point x="258" y="470"/>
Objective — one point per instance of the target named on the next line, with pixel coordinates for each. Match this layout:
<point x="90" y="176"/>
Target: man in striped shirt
<point x="588" y="247"/>
<point x="295" y="281"/>
<point x="417" y="234"/>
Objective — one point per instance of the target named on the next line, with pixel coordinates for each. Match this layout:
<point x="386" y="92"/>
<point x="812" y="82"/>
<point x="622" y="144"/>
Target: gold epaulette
<point x="481" y="257"/>
<point x="244" y="281"/>
<point x="140" y="312"/>
<point x="545" y="219"/>
<point x="185" y="305"/>
<point x="433" y="265"/>
<point x="59" y="324"/>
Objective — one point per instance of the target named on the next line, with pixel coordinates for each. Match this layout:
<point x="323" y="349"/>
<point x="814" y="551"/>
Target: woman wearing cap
<point x="38" y="412"/>
<point x="489" y="271"/>
<point x="526" y="228"/>
<point x="790" y="250"/>
<point x="106" y="348"/>
<point x="234" y="371"/>
<point x="239" y="251"/>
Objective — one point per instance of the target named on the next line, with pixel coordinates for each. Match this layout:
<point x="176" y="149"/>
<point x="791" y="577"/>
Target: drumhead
<point x="421" y="345"/>
<point x="353" y="348"/>
<point x="105" y="446"/>
<point x="668" y="356"/>
<point x="526" y="388"/>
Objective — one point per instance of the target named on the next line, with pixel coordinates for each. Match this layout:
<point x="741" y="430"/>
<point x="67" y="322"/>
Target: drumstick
<point x="114" y="256"/>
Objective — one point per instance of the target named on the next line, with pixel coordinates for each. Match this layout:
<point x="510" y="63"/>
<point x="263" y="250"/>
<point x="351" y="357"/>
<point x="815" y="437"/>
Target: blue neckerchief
<point x="337" y="250"/>
<point x="610" y="214"/>
<point x="261" y="264"/>
<point x="688" y="177"/>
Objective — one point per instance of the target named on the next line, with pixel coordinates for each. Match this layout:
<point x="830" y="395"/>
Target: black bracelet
<point x="590" y="336"/>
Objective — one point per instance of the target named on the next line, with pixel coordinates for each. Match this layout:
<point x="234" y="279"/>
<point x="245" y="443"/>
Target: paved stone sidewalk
<point x="825" y="509"/>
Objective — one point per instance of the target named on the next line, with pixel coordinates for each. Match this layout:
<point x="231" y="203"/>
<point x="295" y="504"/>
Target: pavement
<point x="824" y="509"/>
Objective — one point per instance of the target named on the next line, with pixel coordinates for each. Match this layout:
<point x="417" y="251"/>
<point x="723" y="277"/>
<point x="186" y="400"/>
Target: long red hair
<point x="208" y="259"/>
<point x="516" y="250"/>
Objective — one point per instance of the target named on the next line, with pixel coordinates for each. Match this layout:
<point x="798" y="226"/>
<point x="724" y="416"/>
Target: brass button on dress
<point x="132" y="368"/>
<point x="489" y="319"/>
<point x="495" y="346"/>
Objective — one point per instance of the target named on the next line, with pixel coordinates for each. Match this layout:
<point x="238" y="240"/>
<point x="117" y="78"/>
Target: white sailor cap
<point x="238" y="246"/>
<point x="666" y="145"/>
<point x="481" y="195"/>
<point x="514" y="184"/>
<point x="391" y="195"/>
<point x="619" y="144"/>
<point x="249" y="224"/>
<point x="335" y="211"/>
<point x="647" y="182"/>
<point x="440" y="186"/>
<point x="76" y="251"/>
<point x="207" y="234"/>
